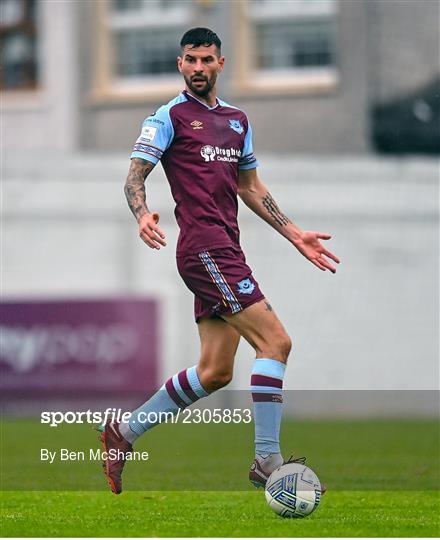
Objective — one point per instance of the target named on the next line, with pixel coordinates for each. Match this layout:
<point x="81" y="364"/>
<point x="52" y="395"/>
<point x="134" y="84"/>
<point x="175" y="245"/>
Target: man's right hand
<point x="150" y="233"/>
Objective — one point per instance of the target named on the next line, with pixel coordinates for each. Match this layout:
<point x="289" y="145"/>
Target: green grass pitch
<point x="383" y="479"/>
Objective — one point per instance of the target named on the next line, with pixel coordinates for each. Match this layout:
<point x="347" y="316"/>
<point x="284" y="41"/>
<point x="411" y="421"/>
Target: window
<point x="18" y="45"/>
<point x="289" y="45"/>
<point x="145" y="36"/>
<point x="136" y="46"/>
<point x="294" y="34"/>
<point x="151" y="52"/>
<point x="295" y="45"/>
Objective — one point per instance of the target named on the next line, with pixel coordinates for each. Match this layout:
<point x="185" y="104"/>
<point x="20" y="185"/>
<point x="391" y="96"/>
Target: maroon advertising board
<point x="78" y="347"/>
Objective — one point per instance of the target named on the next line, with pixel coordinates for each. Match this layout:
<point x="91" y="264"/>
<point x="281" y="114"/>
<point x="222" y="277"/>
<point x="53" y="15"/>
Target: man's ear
<point x="221" y="61"/>
<point x="179" y="63"/>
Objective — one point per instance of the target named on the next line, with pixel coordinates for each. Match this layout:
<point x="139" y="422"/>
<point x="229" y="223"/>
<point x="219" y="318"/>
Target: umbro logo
<point x="197" y="125"/>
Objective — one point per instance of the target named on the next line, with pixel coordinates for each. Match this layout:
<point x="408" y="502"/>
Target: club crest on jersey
<point x="245" y="286"/>
<point x="236" y="126"/>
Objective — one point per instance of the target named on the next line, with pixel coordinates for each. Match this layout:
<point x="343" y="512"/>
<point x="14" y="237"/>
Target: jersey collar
<point x="190" y="97"/>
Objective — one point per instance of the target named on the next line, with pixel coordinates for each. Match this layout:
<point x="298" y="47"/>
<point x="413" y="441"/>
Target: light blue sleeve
<point x="247" y="159"/>
<point x="156" y="136"/>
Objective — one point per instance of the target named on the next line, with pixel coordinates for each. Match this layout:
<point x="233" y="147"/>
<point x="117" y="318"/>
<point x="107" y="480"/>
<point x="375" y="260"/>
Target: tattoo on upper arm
<point x="272" y="207"/>
<point x="268" y="306"/>
<point x="135" y="186"/>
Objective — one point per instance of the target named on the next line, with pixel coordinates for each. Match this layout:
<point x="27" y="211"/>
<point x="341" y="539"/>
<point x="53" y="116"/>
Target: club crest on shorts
<point x="245" y="286"/>
<point x="236" y="126"/>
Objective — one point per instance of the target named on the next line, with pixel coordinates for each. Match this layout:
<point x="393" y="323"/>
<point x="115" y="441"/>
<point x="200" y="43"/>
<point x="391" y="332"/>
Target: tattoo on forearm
<point x="272" y="207"/>
<point x="134" y="188"/>
<point x="268" y="306"/>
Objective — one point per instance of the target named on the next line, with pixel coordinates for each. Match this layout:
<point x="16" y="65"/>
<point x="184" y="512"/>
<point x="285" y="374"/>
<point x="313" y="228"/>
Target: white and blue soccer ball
<point x="293" y="491"/>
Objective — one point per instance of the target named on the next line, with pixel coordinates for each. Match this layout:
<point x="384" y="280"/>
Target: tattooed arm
<point x="256" y="196"/>
<point x="134" y="190"/>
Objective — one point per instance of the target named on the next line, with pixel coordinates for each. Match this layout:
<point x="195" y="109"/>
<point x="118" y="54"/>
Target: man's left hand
<point x="310" y="246"/>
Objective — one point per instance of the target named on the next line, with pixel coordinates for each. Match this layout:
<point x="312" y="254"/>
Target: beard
<point x="201" y="91"/>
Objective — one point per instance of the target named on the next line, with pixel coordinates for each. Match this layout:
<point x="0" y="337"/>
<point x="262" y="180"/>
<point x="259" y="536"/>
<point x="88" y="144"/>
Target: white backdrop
<point x="68" y="233"/>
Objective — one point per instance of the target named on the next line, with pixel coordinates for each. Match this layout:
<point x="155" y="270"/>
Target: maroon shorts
<point x="221" y="281"/>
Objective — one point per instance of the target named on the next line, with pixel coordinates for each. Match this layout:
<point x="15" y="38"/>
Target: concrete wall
<point x="374" y="325"/>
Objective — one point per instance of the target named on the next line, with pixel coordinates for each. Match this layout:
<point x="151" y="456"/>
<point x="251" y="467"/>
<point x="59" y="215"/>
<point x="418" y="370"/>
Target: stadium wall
<point x="68" y="234"/>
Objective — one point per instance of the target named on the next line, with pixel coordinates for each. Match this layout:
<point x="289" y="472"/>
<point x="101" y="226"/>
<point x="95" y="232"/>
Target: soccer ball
<point x="293" y="491"/>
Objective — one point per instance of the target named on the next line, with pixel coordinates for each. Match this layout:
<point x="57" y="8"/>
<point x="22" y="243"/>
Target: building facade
<point x="83" y="75"/>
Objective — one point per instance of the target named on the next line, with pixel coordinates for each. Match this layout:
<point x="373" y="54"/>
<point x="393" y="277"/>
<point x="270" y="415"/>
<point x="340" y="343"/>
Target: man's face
<point x="200" y="67"/>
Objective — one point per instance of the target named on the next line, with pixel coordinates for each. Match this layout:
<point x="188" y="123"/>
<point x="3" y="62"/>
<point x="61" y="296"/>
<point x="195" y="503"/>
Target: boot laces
<point x="301" y="460"/>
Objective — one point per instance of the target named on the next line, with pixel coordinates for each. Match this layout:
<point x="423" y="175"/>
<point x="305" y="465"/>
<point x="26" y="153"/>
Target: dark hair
<point x="201" y="36"/>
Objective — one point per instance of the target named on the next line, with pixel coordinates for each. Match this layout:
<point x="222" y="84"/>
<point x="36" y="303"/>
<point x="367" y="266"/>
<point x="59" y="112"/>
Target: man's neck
<point x="210" y="99"/>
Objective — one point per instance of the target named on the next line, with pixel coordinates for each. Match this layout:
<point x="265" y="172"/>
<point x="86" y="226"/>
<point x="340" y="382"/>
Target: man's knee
<point x="219" y="379"/>
<point x="286" y="346"/>
<point x="277" y="346"/>
<point x="214" y="379"/>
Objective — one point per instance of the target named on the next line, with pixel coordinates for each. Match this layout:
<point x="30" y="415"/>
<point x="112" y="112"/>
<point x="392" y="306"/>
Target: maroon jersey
<point x="202" y="149"/>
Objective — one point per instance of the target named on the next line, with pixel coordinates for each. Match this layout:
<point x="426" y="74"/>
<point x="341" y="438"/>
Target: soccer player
<point x="205" y="146"/>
